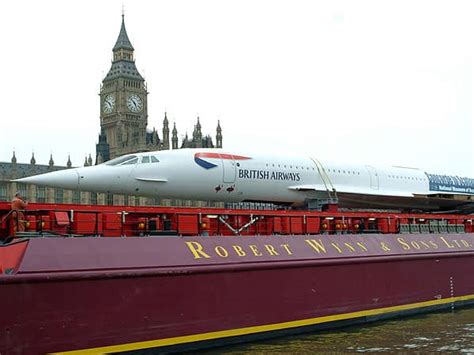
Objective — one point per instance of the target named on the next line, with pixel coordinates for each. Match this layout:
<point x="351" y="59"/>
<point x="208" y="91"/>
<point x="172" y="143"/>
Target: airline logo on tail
<point x="202" y="159"/>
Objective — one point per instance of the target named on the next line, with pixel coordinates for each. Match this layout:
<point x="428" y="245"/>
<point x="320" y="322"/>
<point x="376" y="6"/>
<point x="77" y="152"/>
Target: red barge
<point x="111" y="279"/>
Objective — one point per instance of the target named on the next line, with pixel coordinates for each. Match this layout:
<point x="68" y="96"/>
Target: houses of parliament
<point x="123" y="129"/>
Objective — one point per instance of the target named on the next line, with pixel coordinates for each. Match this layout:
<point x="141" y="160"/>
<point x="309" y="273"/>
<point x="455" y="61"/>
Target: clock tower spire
<point x="123" y="101"/>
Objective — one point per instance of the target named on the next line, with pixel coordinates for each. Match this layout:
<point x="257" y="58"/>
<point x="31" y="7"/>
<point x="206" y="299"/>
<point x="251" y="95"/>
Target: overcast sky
<point x="380" y="82"/>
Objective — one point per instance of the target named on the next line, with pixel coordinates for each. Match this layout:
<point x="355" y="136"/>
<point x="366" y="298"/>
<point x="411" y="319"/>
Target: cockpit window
<point x="154" y="159"/>
<point x="121" y="160"/>
<point x="145" y="159"/>
<point x="131" y="161"/>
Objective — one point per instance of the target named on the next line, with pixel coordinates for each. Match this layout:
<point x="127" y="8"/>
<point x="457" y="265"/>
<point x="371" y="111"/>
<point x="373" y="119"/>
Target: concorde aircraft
<point x="219" y="175"/>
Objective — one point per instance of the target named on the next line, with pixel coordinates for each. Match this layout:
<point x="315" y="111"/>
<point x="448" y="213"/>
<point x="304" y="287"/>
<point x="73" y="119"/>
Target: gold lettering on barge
<point x="336" y="246"/>
<point x="238" y="249"/>
<point x="450" y="246"/>
<point x="254" y="249"/>
<point x="196" y="249"/>
<point x="316" y="245"/>
<point x="287" y="248"/>
<point x="271" y="250"/>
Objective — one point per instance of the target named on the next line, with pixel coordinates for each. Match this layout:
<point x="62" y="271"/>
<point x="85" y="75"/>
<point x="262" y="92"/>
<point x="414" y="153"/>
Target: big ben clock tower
<point x="123" y="102"/>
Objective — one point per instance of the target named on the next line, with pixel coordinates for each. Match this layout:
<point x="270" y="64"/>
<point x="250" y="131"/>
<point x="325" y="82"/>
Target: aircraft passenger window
<point x="145" y="159"/>
<point x="131" y="161"/>
<point x="120" y="160"/>
<point x="154" y="159"/>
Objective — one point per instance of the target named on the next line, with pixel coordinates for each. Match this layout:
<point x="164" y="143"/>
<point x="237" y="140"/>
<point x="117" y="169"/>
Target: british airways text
<point x="268" y="175"/>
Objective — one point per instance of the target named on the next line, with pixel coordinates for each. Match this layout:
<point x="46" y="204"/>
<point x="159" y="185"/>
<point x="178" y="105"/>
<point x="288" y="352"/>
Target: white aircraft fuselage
<point x="219" y="175"/>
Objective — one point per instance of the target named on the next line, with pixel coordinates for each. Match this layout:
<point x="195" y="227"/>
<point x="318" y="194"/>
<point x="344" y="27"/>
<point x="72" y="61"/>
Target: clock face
<point x="109" y="103"/>
<point x="134" y="103"/>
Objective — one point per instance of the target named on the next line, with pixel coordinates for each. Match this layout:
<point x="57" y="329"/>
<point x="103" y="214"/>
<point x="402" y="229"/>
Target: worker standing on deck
<point x="18" y="205"/>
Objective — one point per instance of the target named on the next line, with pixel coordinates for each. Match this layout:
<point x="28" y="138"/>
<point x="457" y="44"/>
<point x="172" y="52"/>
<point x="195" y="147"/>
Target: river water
<point x="435" y="332"/>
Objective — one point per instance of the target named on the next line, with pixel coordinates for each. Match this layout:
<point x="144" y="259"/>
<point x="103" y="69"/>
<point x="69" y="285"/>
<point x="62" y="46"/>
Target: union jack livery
<point x="199" y="158"/>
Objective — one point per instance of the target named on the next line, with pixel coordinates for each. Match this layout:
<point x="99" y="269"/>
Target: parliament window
<point x="110" y="199"/>
<point x="76" y="197"/>
<point x="3" y="192"/>
<point x="93" y="198"/>
<point x="59" y="196"/>
<point x="41" y="194"/>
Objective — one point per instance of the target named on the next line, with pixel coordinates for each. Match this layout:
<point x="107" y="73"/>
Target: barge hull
<point x="59" y="302"/>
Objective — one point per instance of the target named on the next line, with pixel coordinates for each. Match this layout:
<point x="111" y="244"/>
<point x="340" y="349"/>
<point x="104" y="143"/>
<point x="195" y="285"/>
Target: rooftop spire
<point x="122" y="41"/>
<point x="123" y="63"/>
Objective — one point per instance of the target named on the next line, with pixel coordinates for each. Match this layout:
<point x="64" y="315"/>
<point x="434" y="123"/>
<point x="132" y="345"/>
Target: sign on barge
<point x="112" y="295"/>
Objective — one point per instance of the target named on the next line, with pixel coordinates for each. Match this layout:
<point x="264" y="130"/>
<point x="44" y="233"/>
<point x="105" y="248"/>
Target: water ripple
<point x="436" y="332"/>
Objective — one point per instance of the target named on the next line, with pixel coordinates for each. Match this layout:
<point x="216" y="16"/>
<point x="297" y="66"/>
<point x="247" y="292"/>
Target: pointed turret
<point x="122" y="41"/>
<point x="32" y="163"/>
<point x="13" y="170"/>
<point x="123" y="64"/>
<point x="219" y="135"/>
<point x="85" y="162"/>
<point x="89" y="160"/>
<point x="166" y="133"/>
<point x="185" y="142"/>
<point x="198" y="130"/>
<point x="51" y="161"/>
<point x="68" y="164"/>
<point x="174" y="139"/>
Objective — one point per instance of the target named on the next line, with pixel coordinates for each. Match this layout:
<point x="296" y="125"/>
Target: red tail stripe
<point x="221" y="156"/>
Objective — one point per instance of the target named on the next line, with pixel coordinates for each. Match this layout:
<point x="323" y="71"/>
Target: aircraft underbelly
<point x="351" y="200"/>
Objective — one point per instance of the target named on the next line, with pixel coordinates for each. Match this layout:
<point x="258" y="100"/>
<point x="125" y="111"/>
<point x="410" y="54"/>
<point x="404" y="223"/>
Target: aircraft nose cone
<point x="67" y="179"/>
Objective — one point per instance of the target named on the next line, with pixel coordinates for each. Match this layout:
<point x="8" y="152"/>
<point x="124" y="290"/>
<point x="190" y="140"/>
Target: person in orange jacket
<point x="18" y="205"/>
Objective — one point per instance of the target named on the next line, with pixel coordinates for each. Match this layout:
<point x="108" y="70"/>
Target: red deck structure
<point x="116" y="221"/>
